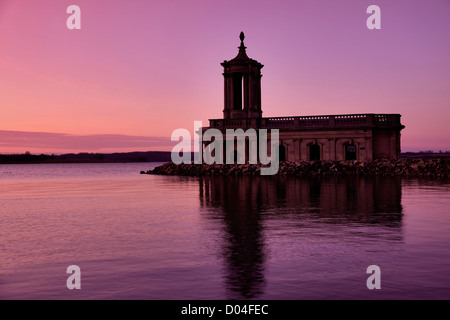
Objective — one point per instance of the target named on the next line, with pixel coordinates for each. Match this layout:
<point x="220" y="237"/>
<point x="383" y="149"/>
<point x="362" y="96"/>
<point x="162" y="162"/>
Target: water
<point x="159" y="237"/>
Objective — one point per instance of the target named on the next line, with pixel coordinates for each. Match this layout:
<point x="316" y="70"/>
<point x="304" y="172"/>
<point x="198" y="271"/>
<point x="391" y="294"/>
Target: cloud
<point x="12" y="140"/>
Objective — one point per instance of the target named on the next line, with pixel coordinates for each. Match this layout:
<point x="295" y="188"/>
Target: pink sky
<point x="137" y="70"/>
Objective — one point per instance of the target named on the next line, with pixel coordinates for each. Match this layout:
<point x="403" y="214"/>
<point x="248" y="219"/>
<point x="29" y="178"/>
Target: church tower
<point x="242" y="80"/>
<point x="331" y="137"/>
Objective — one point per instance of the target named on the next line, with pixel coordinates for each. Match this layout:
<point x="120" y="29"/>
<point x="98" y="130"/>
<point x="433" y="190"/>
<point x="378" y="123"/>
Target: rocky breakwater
<point x="434" y="168"/>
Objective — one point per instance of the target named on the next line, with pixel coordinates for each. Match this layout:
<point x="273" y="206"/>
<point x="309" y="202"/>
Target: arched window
<point x="238" y="93"/>
<point x="314" y="152"/>
<point x="282" y="153"/>
<point x="350" y="152"/>
<point x="235" y="156"/>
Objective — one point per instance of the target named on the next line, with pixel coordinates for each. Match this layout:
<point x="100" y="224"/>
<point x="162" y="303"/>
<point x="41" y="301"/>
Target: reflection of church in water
<point x="246" y="206"/>
<point x="361" y="137"/>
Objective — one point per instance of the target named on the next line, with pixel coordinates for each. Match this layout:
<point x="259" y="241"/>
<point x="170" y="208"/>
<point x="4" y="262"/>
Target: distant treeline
<point x="149" y="156"/>
<point x="425" y="155"/>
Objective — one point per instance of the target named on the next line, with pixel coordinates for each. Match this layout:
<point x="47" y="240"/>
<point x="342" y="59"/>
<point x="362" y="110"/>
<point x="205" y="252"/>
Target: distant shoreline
<point x="425" y="155"/>
<point x="27" y="158"/>
<point x="146" y="156"/>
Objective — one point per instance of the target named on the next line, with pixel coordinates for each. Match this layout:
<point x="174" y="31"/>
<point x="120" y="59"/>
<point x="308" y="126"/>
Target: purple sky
<point x="137" y="70"/>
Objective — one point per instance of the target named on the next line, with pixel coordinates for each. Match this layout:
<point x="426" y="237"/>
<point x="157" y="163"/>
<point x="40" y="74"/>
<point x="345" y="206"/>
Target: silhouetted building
<point x="326" y="137"/>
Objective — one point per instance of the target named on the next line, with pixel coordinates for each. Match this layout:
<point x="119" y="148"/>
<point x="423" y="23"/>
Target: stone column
<point x="393" y="145"/>
<point x="245" y="91"/>
<point x="369" y="149"/>
<point x="226" y="109"/>
<point x="258" y="93"/>
<point x="296" y="147"/>
<point x="332" y="143"/>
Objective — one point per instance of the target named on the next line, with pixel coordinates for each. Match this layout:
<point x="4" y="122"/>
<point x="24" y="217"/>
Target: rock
<point x="402" y="167"/>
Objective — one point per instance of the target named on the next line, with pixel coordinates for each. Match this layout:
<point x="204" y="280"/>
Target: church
<point x="362" y="137"/>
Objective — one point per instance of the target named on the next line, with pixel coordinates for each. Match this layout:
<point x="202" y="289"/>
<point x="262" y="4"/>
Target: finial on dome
<point x="242" y="37"/>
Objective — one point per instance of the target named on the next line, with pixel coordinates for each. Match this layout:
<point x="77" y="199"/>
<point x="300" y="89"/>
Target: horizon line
<point x="39" y="142"/>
